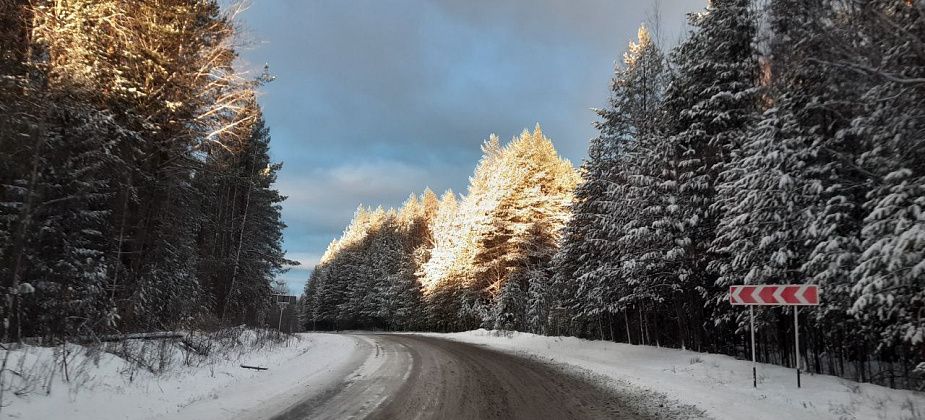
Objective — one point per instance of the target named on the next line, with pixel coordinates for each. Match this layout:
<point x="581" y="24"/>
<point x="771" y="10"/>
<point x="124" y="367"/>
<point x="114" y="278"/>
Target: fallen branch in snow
<point x="253" y="367"/>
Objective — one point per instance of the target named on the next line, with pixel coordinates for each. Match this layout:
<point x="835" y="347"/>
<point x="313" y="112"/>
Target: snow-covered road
<point x="417" y="377"/>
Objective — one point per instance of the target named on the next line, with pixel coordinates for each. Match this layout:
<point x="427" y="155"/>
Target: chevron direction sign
<point x="795" y="295"/>
<point x="783" y="294"/>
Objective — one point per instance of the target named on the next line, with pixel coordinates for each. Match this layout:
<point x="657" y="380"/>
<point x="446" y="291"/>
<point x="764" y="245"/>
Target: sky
<point x="376" y="99"/>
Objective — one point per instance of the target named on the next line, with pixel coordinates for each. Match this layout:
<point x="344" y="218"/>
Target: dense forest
<point x="474" y="259"/>
<point x="780" y="142"/>
<point x="136" y="188"/>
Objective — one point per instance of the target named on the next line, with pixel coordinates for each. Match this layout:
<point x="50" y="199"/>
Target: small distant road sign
<point x="795" y="295"/>
<point x="788" y="295"/>
<point x="282" y="301"/>
<point x="285" y="299"/>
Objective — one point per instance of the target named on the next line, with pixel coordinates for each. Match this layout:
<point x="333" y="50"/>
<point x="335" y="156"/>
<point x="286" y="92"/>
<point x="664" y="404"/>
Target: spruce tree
<point x="710" y="103"/>
<point x="889" y="278"/>
<point x="604" y="202"/>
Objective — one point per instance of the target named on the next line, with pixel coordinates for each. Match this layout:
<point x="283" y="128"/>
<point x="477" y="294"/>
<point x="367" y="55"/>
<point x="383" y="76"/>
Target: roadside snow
<point x="720" y="385"/>
<point x="222" y="390"/>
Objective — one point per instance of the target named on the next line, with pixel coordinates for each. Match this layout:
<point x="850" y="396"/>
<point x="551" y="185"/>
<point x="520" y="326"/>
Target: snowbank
<point x="718" y="384"/>
<point x="110" y="389"/>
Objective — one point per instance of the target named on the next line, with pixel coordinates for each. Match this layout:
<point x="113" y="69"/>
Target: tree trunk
<point x="626" y="321"/>
<point x="600" y="326"/>
<point x="23" y="223"/>
<point x="237" y="258"/>
<point x="642" y="334"/>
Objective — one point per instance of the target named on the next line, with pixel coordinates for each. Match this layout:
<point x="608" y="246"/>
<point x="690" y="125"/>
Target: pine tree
<point x="708" y="107"/>
<point x="602" y="200"/>
<point x="764" y="190"/>
<point x="163" y="72"/>
<point x="445" y="237"/>
<point x="241" y="267"/>
<point x="116" y="113"/>
<point x="537" y="187"/>
<point x="889" y="288"/>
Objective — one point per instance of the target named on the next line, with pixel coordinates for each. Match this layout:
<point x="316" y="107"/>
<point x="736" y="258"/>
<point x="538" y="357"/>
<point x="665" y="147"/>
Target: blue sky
<point x="375" y="99"/>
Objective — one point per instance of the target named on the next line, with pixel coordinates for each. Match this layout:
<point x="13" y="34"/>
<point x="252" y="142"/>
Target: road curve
<point x="418" y="377"/>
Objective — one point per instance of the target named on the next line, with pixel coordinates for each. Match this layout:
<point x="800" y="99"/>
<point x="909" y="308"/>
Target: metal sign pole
<point x="280" y="326"/>
<point x="796" y="339"/>
<point x="751" y="314"/>
<point x="772" y="295"/>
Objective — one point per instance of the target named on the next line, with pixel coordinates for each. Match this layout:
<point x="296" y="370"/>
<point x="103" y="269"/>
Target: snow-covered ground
<point x="720" y="385"/>
<point x="221" y="389"/>
<point x="216" y="390"/>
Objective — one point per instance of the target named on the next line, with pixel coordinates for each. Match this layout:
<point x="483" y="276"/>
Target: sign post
<point x="796" y="339"/>
<point x="795" y="295"/>
<point x="282" y="301"/>
<point x="751" y="316"/>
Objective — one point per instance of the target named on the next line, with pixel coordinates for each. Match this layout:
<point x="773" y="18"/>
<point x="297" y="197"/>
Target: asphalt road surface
<point x="417" y="377"/>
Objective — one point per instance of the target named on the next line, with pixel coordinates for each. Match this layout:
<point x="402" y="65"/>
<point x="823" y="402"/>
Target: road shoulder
<point x="318" y="369"/>
<point x="719" y="386"/>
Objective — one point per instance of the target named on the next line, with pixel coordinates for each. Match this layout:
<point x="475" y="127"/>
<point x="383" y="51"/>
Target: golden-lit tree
<point x="457" y="255"/>
<point x="133" y="108"/>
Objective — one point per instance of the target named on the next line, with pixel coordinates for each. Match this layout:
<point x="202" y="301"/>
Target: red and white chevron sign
<point x="781" y="294"/>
